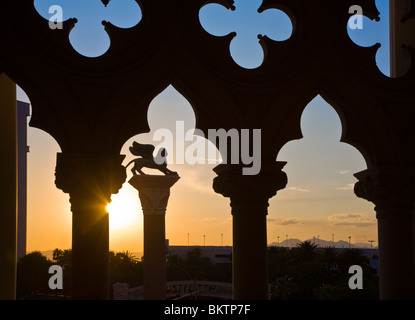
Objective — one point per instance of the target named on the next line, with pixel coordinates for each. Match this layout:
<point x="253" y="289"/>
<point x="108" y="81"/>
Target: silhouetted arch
<point x="195" y="183"/>
<point x="347" y="136"/>
<point x="344" y="123"/>
<point x="319" y="192"/>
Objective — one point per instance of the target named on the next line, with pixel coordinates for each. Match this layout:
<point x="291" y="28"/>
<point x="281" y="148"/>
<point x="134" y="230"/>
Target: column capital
<point x="86" y="174"/>
<point x="387" y="187"/>
<point x="247" y="191"/>
<point x="154" y="192"/>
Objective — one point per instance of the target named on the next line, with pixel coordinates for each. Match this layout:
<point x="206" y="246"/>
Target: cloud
<point x="195" y="180"/>
<point x="344" y="172"/>
<point x="357" y="220"/>
<point x="287" y="222"/>
<point x="350" y="186"/>
<point x="217" y="221"/>
<point x="298" y="189"/>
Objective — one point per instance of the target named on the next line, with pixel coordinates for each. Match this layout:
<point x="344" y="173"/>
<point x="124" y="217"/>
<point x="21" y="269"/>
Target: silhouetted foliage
<point x="63" y="258"/>
<point x="302" y="272"/>
<point x="312" y="273"/>
<point x="125" y="268"/>
<point x="32" y="275"/>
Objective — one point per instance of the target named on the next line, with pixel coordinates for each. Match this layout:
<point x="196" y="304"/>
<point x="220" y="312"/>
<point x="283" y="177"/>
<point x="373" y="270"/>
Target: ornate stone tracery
<point x="387" y="187"/>
<point x="92" y="106"/>
<point x="246" y="192"/>
<point x="140" y="58"/>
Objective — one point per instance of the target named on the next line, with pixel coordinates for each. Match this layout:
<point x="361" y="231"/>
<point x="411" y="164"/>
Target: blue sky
<point x="318" y="200"/>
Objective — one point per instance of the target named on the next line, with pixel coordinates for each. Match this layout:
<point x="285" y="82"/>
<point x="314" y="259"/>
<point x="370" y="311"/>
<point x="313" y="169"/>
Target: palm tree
<point x="125" y="268"/>
<point x="305" y="252"/>
<point x="126" y="256"/>
<point x="328" y="258"/>
<point x="62" y="257"/>
<point x="307" y="272"/>
<point x="57" y="255"/>
<point x="353" y="256"/>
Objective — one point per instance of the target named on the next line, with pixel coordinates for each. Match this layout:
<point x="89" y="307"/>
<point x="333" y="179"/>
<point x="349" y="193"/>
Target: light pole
<point x="204" y="239"/>
<point x="371" y="241"/>
<point x="278" y="241"/>
<point x="332" y="238"/>
<point x="188" y="236"/>
<point x="349" y="241"/>
<point x="286" y="240"/>
<point x="221" y="239"/>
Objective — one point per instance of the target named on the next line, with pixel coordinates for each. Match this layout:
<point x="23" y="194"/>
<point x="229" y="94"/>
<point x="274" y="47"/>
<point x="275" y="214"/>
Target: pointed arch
<point x="319" y="198"/>
<point x="168" y="111"/>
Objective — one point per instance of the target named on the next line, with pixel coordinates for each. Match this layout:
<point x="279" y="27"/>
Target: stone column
<point x="392" y="190"/>
<point x="154" y="193"/>
<point x="8" y="188"/>
<point x="249" y="197"/>
<point x="90" y="180"/>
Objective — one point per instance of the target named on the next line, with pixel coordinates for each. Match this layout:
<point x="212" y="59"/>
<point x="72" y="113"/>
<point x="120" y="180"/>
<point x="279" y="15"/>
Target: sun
<point x="124" y="210"/>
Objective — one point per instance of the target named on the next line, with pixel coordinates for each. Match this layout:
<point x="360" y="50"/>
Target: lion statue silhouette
<point x="146" y="160"/>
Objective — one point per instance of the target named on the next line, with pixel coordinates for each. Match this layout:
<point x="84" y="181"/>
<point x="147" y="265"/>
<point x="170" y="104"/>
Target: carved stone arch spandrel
<point x="82" y="102"/>
<point x="237" y="97"/>
<point x="377" y="122"/>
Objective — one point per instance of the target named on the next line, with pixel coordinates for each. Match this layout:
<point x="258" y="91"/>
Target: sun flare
<point x="124" y="210"/>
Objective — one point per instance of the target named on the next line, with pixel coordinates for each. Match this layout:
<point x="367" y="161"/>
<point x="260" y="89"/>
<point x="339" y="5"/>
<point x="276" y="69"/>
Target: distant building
<point x="23" y="111"/>
<point x="216" y="254"/>
<point x="223" y="254"/>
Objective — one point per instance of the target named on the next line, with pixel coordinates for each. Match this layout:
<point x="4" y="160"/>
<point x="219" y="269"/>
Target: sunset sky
<point x="318" y="200"/>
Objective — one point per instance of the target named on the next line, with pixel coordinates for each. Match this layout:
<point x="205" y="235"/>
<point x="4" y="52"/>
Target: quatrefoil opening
<point x="249" y="25"/>
<point x="88" y="36"/>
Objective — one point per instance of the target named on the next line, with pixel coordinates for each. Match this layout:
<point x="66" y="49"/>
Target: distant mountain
<point x="322" y="243"/>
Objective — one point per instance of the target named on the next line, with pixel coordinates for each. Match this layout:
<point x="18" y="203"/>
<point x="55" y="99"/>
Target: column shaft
<point x="154" y="257"/>
<point x="90" y="250"/>
<point x="90" y="180"/>
<point x="249" y="254"/>
<point x="8" y="191"/>
<point x="249" y="197"/>
<point x="396" y="253"/>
